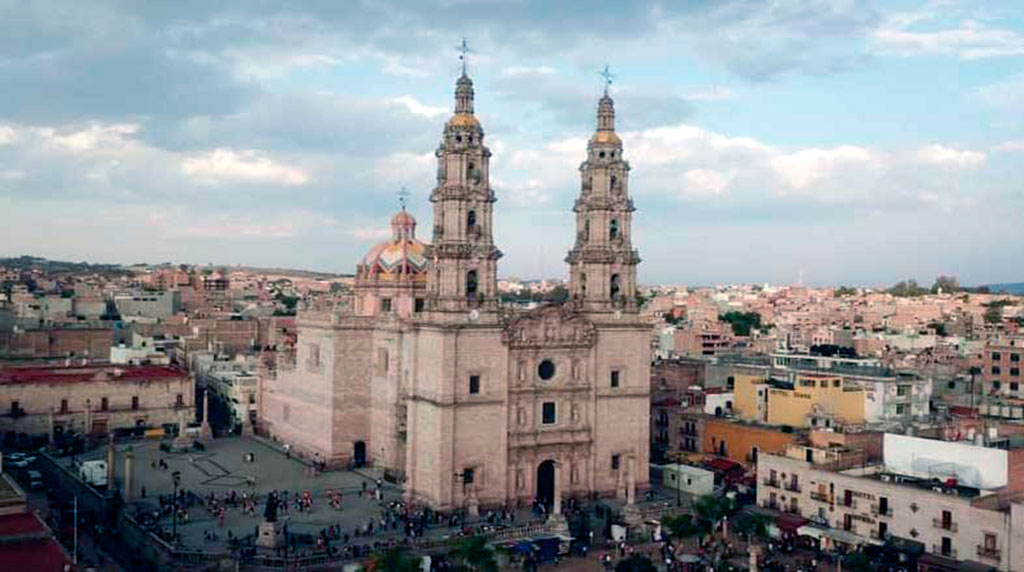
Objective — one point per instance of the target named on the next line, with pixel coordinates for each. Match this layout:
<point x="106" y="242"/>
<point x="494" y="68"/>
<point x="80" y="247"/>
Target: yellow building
<point x="809" y="400"/>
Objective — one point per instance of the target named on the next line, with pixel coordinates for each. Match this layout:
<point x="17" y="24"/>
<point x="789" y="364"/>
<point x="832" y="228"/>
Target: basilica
<point x="470" y="403"/>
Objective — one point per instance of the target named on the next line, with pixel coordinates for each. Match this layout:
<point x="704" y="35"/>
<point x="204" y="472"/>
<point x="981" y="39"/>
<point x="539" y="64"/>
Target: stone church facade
<point x="425" y="374"/>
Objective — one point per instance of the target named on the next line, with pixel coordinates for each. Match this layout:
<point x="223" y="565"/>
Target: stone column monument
<point x="129" y="476"/>
<point x="271" y="532"/>
<point x="206" y="432"/>
<point x="110" y="462"/>
<point x="182" y="441"/>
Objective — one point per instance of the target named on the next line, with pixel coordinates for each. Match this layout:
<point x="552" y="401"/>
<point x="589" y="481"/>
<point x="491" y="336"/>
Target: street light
<point x="176" y="479"/>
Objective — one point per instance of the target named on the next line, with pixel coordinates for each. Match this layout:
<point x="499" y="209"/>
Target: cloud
<point x="710" y="93"/>
<point x="1011" y="146"/>
<point x="802" y="168"/>
<point x="245" y="166"/>
<point x="970" y="40"/>
<point x="1006" y="95"/>
<point x="705" y="181"/>
<point x="6" y="134"/>
<point x="941" y="155"/>
<point x="514" y="71"/>
<point x="370" y="233"/>
<point x="418" y="108"/>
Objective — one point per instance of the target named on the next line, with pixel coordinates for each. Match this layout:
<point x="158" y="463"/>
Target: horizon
<point x="845" y="143"/>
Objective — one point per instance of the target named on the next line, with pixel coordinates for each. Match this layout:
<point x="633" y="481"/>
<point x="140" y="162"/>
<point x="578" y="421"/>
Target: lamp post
<point x="176" y="479"/>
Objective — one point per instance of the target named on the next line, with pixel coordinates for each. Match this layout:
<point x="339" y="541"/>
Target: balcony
<point x="875" y="510"/>
<point x="792" y="487"/>
<point x="661" y="422"/>
<point x="820" y="496"/>
<point x="951" y="553"/>
<point x="989" y="552"/>
<point x="944" y="525"/>
<point x="848" y="503"/>
<point x="774" y="483"/>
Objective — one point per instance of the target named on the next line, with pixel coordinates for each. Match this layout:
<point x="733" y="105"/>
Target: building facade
<point x="470" y="403"/>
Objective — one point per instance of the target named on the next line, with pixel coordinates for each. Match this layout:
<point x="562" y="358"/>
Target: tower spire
<point x="464" y="55"/>
<point x="403" y="196"/>
<point x="607" y="75"/>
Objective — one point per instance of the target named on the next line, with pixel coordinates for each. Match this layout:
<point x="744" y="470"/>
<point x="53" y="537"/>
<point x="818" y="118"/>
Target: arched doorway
<point x="546" y="483"/>
<point x="359" y="453"/>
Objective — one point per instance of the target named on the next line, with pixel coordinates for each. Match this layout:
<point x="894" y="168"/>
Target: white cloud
<point x="513" y="71"/>
<point x="1007" y="94"/>
<point x="1011" y="146"/>
<point x="95" y="137"/>
<point x="970" y="40"/>
<point x="7" y="134"/>
<point x="710" y="93"/>
<point x="941" y="155"/>
<point x="418" y="108"/>
<point x="370" y="233"/>
<point x="807" y="166"/>
<point x="705" y="181"/>
<point x="245" y="166"/>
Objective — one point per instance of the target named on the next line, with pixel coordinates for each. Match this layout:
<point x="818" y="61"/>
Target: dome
<point x="605" y="137"/>
<point x="402" y="256"/>
<point x="463" y="120"/>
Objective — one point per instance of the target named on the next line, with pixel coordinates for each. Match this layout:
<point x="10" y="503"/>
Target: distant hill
<point x="54" y="267"/>
<point x="1015" y="288"/>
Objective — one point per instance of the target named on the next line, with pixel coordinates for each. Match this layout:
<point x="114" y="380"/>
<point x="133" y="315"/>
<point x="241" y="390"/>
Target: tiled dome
<point x="403" y="255"/>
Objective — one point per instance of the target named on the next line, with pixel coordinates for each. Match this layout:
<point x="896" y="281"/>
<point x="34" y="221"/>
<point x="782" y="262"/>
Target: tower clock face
<point x="618" y="314"/>
<point x="474" y="314"/>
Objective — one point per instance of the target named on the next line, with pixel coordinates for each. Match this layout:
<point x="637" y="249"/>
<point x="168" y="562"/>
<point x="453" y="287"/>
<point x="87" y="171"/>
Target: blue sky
<point x="847" y="140"/>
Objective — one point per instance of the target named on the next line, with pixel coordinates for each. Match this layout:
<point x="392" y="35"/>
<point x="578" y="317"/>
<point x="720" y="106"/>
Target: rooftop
<point x="86" y="373"/>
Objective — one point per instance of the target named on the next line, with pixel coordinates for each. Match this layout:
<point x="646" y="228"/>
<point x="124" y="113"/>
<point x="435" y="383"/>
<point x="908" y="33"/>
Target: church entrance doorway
<point x="546" y="483"/>
<point x="359" y="453"/>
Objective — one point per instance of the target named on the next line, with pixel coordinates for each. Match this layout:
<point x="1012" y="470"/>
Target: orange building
<point x="742" y="442"/>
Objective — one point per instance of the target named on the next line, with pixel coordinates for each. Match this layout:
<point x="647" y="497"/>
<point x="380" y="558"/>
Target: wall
<point x="741" y="438"/>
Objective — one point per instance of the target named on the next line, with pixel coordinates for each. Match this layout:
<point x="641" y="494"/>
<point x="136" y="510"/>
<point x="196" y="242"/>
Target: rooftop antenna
<point x="606" y="73"/>
<point x="463" y="55"/>
<point x="403" y="196"/>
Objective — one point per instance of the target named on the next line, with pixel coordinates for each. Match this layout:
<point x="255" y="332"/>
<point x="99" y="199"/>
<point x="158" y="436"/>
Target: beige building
<point x="93" y="399"/>
<point x="866" y="505"/>
<point x="471" y="403"/>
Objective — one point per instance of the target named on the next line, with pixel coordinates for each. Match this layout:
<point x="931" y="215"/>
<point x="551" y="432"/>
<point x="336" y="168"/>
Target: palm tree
<point x="635" y="563"/>
<point x="396" y="560"/>
<point x="476" y="554"/>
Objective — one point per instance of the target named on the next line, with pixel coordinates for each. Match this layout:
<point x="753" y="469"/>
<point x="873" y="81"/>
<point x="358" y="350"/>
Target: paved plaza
<point x="222" y="469"/>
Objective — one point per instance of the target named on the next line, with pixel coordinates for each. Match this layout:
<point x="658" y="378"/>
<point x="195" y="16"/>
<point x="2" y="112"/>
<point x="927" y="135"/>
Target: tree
<point x="742" y="322"/>
<point x="945" y="284"/>
<point x="635" y="563"/>
<point x="396" y="560"/>
<point x="907" y="288"/>
<point x="844" y="291"/>
<point x="476" y="554"/>
<point x="753" y="525"/>
<point x="680" y="526"/>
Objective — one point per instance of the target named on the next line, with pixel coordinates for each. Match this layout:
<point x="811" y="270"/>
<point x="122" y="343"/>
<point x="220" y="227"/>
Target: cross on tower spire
<point x="607" y="75"/>
<point x="463" y="55"/>
<point x="403" y="196"/>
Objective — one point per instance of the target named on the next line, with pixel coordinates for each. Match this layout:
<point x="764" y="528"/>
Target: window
<point x="104" y="404"/>
<point x="63" y="405"/>
<point x="901" y="408"/>
<point x="613" y="229"/>
<point x="546" y="369"/>
<point x="614" y="286"/>
<point x="15" y="406"/>
<point x="1015" y="371"/>
<point x="996" y="356"/>
<point x="471" y="220"/>
<point x="902" y="390"/>
<point x="1014" y="386"/>
<point x="548" y="413"/>
<point x="947" y="546"/>
<point x="418" y="306"/>
<point x="385" y="304"/>
<point x="135" y="402"/>
<point x="179" y="400"/>
<point x="807" y="382"/>
<point x="837" y="383"/>
<point x="1014" y="358"/>
<point x="615" y="378"/>
<point x="474" y="384"/>
<point x="951" y="385"/>
<point x="996" y="384"/>
<point x="990" y="541"/>
<point x="468" y="476"/>
<point x="471" y="284"/>
<point x="996" y="370"/>
<point x="615" y="462"/>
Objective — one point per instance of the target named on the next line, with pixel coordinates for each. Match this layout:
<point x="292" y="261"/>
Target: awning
<point x="837" y="534"/>
<point x="723" y="465"/>
<point x="790" y="523"/>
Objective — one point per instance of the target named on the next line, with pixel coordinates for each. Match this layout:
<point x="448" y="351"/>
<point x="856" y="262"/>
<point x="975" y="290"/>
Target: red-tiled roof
<point x="75" y="374"/>
<point x="720" y="464"/>
<point x="20" y="523"/>
<point x="43" y="555"/>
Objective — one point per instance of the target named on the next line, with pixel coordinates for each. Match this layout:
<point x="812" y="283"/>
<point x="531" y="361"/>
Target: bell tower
<point x="465" y="260"/>
<point x="602" y="262"/>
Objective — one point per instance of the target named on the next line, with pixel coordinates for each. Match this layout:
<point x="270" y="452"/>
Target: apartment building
<point x="949" y="498"/>
<point x="1002" y="362"/>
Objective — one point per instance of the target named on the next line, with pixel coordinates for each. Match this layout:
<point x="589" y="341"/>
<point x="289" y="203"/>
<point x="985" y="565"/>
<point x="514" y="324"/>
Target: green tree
<point x="742" y="322"/>
<point x="753" y="525"/>
<point x="681" y="526"/>
<point x="946" y="284"/>
<point x="396" y="560"/>
<point x="907" y="288"/>
<point x="844" y="291"/>
<point x="476" y="554"/>
<point x="635" y="563"/>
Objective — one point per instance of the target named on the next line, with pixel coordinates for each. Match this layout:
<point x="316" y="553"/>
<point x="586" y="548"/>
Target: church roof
<point x="402" y="256"/>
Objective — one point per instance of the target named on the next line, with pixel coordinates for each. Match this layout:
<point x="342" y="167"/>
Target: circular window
<point x="546" y="369"/>
<point x="601" y="154"/>
<point x="458" y="138"/>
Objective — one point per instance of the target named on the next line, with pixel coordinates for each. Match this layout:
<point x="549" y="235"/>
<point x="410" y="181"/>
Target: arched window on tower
<point x="586" y="230"/>
<point x="614" y="185"/>
<point x="614" y="286"/>
<point x="471" y="285"/>
<point x="613" y="229"/>
<point x="471" y="228"/>
<point x="583" y="284"/>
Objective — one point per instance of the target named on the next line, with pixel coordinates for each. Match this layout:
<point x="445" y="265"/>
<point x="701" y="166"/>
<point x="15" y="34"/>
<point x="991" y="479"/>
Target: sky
<point x="833" y="141"/>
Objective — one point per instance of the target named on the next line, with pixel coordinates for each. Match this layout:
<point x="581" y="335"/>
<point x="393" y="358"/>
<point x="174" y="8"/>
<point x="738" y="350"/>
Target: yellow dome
<point x="464" y="120"/>
<point x="605" y="137"/>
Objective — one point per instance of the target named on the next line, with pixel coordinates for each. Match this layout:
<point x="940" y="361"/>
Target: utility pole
<point x="74" y="555"/>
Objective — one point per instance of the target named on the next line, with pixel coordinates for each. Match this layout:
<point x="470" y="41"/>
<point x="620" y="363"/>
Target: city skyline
<point x="796" y="144"/>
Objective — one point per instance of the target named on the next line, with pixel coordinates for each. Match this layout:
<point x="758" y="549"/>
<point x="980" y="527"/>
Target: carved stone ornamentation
<point x="549" y="327"/>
